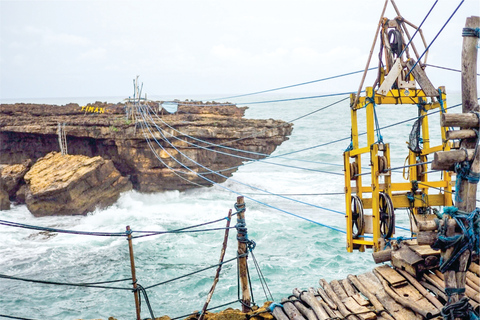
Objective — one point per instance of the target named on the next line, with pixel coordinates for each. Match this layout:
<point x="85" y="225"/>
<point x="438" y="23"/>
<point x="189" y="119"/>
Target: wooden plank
<point x="305" y="311"/>
<point x="439" y="294"/>
<point x="417" y="303"/>
<point x="341" y="307"/>
<point x="371" y="297"/>
<point x="390" y="78"/>
<point x="392" y="276"/>
<point x="331" y="313"/>
<point x="351" y="292"/>
<point x="360" y="311"/>
<point x="475" y="268"/>
<point x="326" y="298"/>
<point x="312" y="301"/>
<point x="425" y="251"/>
<point x="422" y="290"/>
<point x="278" y="313"/>
<point x="422" y="79"/>
<point x="291" y="311"/>
<point x="339" y="291"/>
<point x="406" y="259"/>
<point x="396" y="310"/>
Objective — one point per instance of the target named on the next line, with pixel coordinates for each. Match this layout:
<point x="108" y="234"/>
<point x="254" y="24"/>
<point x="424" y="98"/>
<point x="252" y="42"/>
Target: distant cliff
<point x="29" y="132"/>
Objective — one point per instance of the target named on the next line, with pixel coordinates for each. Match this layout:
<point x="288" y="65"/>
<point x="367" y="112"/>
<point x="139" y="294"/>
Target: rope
<point x="88" y="233"/>
<point x="428" y="47"/>
<point x="223" y="176"/>
<point x="252" y="135"/>
<point x="293" y="99"/>
<point x="197" y="313"/>
<point x="468" y="240"/>
<point x="88" y="285"/>
<point x="418" y="29"/>
<point x="461" y="309"/>
<point x="250" y="198"/>
<point x="262" y="279"/>
<point x="471" y="32"/>
<point x="445" y="68"/>
<point x="147" y="301"/>
<point x="294" y="85"/>
<point x="190" y="274"/>
<point x="13" y="317"/>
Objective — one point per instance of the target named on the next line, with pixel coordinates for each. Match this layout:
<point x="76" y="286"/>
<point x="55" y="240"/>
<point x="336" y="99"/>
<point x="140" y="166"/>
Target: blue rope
<point x="468" y="240"/>
<point x="377" y="125"/>
<point x="418" y="29"/>
<point x="295" y="85"/>
<point x="221" y="175"/>
<point x="247" y="197"/>
<point x="428" y="47"/>
<point x="293" y="99"/>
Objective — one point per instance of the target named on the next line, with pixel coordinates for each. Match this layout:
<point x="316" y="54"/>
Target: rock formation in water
<point x="70" y="185"/>
<point x="156" y="151"/>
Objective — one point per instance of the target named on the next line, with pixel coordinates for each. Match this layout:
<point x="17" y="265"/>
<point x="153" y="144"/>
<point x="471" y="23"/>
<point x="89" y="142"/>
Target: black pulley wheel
<point x="387" y="215"/>
<point x="358" y="220"/>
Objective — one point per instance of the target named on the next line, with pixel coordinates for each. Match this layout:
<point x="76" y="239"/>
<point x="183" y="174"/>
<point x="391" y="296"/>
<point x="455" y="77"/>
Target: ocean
<point x="292" y="252"/>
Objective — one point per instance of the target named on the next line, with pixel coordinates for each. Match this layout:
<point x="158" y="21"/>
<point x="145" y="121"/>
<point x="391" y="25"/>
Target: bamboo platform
<point x="387" y="292"/>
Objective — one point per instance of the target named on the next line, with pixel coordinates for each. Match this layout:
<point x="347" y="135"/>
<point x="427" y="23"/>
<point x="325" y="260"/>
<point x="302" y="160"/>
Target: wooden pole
<point x="370" y="55"/>
<point x="243" y="254"/>
<point x="466" y="191"/>
<point x="134" y="277"/>
<point x="217" y="275"/>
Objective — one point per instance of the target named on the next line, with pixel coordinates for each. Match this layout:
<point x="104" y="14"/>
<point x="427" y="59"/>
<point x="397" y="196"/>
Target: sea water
<point x="292" y="252"/>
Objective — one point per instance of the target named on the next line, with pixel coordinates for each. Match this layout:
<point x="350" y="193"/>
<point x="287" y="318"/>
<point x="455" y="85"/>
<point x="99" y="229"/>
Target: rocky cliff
<point x="156" y="150"/>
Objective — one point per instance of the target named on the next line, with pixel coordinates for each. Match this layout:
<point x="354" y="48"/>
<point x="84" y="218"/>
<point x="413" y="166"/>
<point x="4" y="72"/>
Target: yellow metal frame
<point x="396" y="191"/>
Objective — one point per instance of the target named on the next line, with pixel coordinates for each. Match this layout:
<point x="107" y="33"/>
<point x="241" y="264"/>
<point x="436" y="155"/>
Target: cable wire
<point x="294" y="85"/>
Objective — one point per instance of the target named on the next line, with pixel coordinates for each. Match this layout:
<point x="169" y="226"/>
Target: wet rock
<point x="12" y="177"/>
<point x="4" y="199"/>
<point x="72" y="185"/>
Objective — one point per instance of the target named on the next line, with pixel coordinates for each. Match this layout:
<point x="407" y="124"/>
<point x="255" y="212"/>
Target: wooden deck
<point x="387" y="292"/>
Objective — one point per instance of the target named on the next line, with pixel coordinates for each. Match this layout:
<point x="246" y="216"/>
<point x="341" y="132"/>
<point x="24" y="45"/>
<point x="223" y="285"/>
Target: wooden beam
<point x="444" y="160"/>
<point x="462" y="120"/>
<point x="461" y="134"/>
<point x="422" y="79"/>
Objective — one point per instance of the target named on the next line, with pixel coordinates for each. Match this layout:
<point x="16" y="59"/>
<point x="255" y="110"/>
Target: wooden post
<point x="134" y="277"/>
<point x="243" y="254"/>
<point x="466" y="191"/>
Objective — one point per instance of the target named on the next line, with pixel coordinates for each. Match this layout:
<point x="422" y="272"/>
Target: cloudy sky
<point x="95" y="48"/>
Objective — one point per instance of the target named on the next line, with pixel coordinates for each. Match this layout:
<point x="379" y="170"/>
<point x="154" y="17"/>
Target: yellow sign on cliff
<point x="93" y="109"/>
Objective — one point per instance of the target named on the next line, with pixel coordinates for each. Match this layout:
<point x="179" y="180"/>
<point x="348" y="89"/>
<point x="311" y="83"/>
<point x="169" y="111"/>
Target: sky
<point x="207" y="47"/>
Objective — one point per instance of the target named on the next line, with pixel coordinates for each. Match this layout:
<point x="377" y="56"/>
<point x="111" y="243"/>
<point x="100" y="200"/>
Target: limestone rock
<point x="12" y="177"/>
<point x="29" y="131"/>
<point x="72" y="185"/>
<point x="4" y="199"/>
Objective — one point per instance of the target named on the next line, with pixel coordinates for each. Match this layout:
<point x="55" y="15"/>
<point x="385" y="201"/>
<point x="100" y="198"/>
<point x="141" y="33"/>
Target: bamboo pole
<point x="370" y="55"/>
<point x="243" y="255"/>
<point x="134" y="277"/>
<point x="217" y="275"/>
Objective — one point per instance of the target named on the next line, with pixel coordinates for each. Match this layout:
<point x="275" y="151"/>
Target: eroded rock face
<point x="184" y="139"/>
<point x="4" y="199"/>
<point x="12" y="177"/>
<point x="72" y="185"/>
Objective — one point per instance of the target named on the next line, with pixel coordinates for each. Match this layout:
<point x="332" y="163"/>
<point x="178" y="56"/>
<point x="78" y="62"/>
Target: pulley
<point x="387" y="215"/>
<point x="358" y="220"/>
